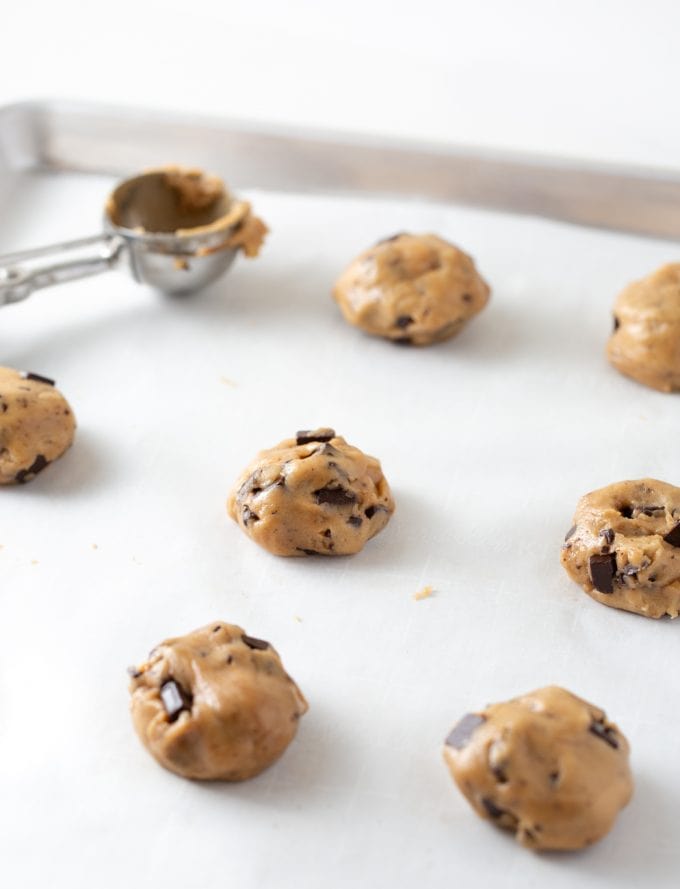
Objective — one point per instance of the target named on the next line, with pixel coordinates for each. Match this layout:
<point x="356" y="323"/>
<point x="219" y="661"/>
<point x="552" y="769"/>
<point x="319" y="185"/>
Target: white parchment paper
<point x="487" y="441"/>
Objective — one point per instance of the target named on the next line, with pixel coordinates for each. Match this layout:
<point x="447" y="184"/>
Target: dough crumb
<point x="297" y="618"/>
<point x="227" y="382"/>
<point x="425" y="593"/>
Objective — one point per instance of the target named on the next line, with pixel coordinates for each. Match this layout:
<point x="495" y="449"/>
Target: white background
<point x="487" y="440"/>
<point x="588" y="77"/>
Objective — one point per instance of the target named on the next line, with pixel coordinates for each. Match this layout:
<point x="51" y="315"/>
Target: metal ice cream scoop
<point x="173" y="228"/>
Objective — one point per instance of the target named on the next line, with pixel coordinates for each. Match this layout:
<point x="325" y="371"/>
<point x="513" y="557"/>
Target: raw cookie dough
<point x="645" y="343"/>
<point x="312" y="495"/>
<point x="215" y="704"/>
<point x="36" y="425"/>
<point x="547" y="766"/>
<point x="185" y="201"/>
<point x="624" y="547"/>
<point x="415" y="289"/>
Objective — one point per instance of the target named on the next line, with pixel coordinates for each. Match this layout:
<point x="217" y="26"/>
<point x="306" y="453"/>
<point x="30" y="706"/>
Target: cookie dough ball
<point x="215" y="704"/>
<point x="415" y="289"/>
<point x="36" y="425"/>
<point x="645" y="343"/>
<point x="548" y="766"/>
<point x="312" y="495"/>
<point x="624" y="547"/>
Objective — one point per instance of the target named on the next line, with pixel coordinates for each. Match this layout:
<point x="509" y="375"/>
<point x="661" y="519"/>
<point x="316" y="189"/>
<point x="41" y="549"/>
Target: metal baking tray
<point x="487" y="440"/>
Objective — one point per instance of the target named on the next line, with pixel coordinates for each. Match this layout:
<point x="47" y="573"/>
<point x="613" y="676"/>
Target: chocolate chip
<point x="217" y="627"/>
<point x="570" y="532"/>
<point x="230" y="659"/>
<point x="652" y="510"/>
<point x="499" y="774"/>
<point x="461" y="733"/>
<point x="251" y="642"/>
<point x="134" y="673"/>
<point x="608" y="534"/>
<point x="307" y="436"/>
<point x="617" y="323"/>
<point x="175" y="699"/>
<point x="335" y="496"/>
<point x="307" y="552"/>
<point x="29" y="375"/>
<point x="626" y="511"/>
<point x="249" y="516"/>
<point x="355" y="520"/>
<point x="391" y="238"/>
<point x="403" y="341"/>
<point x="326" y="533"/>
<point x="3" y="407"/>
<point x="403" y="321"/>
<point x="673" y="536"/>
<point x="467" y="297"/>
<point x="37" y="466"/>
<point x="602" y="571"/>
<point x="370" y="511"/>
<point x="553" y="777"/>
<point x="492" y="809"/>
<point x="607" y="734"/>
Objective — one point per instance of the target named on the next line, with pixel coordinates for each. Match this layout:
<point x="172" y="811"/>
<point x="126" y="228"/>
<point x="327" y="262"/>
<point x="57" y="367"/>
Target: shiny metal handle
<point x="22" y="273"/>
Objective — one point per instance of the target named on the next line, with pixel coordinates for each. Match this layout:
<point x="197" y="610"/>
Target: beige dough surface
<point x="312" y="495"/>
<point x="548" y="766"/>
<point x="624" y="547"/>
<point x="36" y="425"/>
<point x="215" y="704"/>
<point x="645" y="344"/>
<point x="414" y="289"/>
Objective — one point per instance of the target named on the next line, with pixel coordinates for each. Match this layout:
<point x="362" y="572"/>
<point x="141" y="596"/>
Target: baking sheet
<point x="487" y="440"/>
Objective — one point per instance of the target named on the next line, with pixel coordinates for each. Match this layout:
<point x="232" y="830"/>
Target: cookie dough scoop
<point x="547" y="766"/>
<point x="311" y="495"/>
<point x="215" y="704"/>
<point x="174" y="228"/>
<point x="36" y="425"/>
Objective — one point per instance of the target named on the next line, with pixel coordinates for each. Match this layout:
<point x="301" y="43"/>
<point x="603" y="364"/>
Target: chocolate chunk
<point x="461" y="733"/>
<point x="355" y="520"/>
<point x="570" y="532"/>
<point x="403" y="321"/>
<point x="673" y="536"/>
<point x="37" y="466"/>
<point x="307" y="436"/>
<point x="251" y="642"/>
<point x="602" y="571"/>
<point x="617" y="323"/>
<point x="175" y="699"/>
<point x="491" y="808"/>
<point x="29" y="375"/>
<point x="249" y="515"/>
<point x="370" y="511"/>
<point x="608" y="534"/>
<point x="391" y="238"/>
<point x="499" y="774"/>
<point x="335" y="496"/>
<point x="605" y="732"/>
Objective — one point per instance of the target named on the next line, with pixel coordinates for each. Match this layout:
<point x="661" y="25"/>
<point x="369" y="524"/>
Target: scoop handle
<point x="22" y="273"/>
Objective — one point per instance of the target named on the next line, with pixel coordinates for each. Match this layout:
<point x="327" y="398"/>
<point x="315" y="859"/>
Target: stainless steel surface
<point x="58" y="135"/>
<point x="23" y="272"/>
<point x="174" y="262"/>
